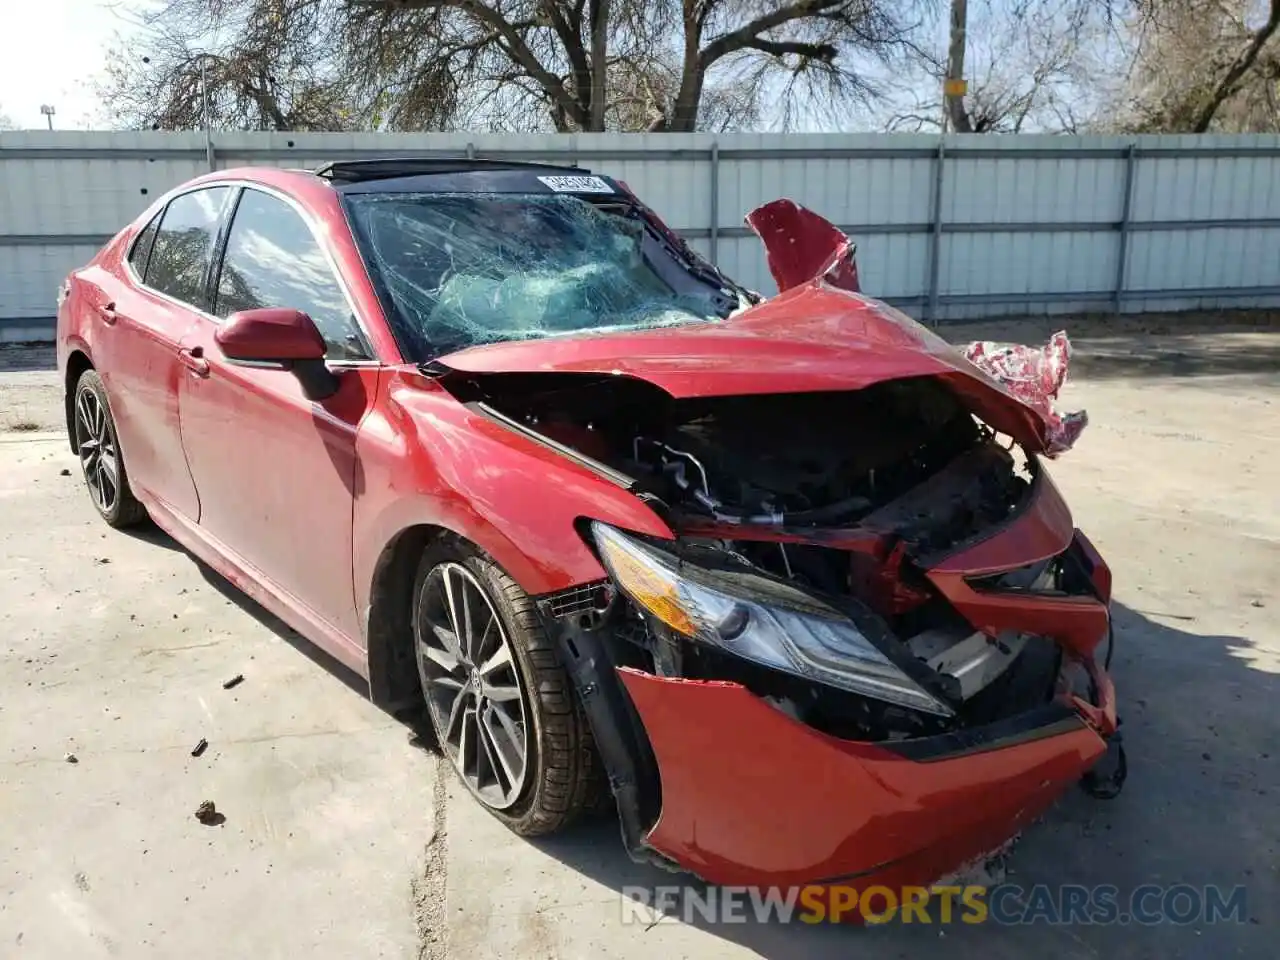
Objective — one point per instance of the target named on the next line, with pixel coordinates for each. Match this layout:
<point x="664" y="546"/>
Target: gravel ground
<point x="341" y="841"/>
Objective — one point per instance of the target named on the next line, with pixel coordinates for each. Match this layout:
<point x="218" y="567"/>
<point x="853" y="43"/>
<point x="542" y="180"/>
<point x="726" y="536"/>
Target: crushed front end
<point x="873" y="649"/>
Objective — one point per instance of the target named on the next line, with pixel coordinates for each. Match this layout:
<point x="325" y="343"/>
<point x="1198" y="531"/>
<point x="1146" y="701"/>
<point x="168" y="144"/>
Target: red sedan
<point x="787" y="575"/>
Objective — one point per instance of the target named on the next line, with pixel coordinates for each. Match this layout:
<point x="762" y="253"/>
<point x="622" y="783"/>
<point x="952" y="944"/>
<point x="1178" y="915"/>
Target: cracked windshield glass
<point x="467" y="269"/>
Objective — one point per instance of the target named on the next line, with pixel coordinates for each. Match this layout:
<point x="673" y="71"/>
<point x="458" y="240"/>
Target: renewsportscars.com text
<point x="1004" y="904"/>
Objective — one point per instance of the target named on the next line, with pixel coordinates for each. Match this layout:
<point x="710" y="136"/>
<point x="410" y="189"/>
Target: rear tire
<point x="101" y="462"/>
<point x="500" y="703"/>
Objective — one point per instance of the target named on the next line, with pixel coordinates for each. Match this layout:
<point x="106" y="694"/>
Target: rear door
<point x="277" y="473"/>
<point x="138" y="341"/>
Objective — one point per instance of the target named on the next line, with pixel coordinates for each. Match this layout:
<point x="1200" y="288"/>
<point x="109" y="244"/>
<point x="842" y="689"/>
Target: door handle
<point x="107" y="311"/>
<point x="194" y="361"/>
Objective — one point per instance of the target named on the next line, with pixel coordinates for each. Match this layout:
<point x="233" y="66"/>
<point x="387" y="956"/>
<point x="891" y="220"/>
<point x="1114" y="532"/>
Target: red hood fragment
<point x="801" y="245"/>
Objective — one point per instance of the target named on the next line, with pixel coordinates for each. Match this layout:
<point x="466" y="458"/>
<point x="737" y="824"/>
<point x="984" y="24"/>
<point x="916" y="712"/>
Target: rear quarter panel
<point x="85" y="287"/>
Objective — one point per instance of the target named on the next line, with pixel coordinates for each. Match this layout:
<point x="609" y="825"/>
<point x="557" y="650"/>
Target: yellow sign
<point x="955" y="88"/>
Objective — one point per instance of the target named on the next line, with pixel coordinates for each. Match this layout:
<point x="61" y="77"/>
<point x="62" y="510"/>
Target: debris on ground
<point x="71" y="758"/>
<point x="233" y="682"/>
<point x="104" y="560"/>
<point x="200" y="747"/>
<point x="64" y="472"/>
<point x="208" y="814"/>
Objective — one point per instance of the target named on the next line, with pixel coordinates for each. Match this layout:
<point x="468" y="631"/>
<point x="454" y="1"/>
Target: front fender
<point x="428" y="460"/>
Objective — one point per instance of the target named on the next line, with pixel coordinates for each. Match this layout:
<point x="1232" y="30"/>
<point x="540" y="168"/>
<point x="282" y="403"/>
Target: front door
<point x="277" y="473"/>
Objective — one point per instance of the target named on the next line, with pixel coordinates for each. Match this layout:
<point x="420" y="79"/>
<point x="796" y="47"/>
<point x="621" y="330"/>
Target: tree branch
<point x="826" y="52"/>
<point x="1243" y="61"/>
<point x="516" y="47"/>
<point x="738" y="39"/>
<point x="569" y="30"/>
<point x="598" y="18"/>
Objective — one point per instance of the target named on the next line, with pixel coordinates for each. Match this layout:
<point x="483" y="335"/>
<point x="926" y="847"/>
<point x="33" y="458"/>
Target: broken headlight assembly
<point x="757" y="618"/>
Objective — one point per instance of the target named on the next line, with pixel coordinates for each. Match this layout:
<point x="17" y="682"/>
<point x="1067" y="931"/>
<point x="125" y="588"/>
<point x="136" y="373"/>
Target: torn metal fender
<point x="1034" y="375"/>
<point x="751" y="796"/>
<point x="800" y="246"/>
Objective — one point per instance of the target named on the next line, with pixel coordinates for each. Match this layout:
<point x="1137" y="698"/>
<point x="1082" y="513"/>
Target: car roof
<point x="461" y="175"/>
<point x="427" y="175"/>
<point x="381" y="168"/>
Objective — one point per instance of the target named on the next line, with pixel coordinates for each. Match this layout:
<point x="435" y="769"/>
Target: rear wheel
<point x="100" y="459"/>
<point x="501" y="705"/>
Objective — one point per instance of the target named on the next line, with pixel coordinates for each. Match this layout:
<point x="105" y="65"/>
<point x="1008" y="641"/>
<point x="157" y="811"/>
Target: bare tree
<point x="5" y="122"/>
<point x="255" y="64"/>
<point x="1204" y="65"/>
<point x="1030" y="66"/>
<point x="674" y="65"/>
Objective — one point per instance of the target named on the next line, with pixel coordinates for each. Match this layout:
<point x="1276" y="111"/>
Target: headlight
<point x="758" y="619"/>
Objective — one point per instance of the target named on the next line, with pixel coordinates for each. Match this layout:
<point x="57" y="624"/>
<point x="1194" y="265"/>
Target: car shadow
<point x="1200" y="731"/>
<point x="150" y="533"/>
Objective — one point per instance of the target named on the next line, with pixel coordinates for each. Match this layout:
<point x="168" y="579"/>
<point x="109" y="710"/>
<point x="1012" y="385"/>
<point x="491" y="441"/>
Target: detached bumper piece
<point x="751" y="796"/>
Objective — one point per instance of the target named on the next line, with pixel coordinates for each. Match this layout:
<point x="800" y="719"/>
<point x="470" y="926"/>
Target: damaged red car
<point x="786" y="576"/>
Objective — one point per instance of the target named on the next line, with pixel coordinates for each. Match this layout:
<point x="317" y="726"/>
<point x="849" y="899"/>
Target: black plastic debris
<point x="1106" y="779"/>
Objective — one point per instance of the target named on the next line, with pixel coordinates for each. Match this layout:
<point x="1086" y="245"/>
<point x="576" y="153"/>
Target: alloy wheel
<point x="98" y="455"/>
<point x="473" y="689"/>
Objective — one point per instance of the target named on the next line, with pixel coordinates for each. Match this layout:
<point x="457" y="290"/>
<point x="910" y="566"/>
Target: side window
<point x="185" y="243"/>
<point x="272" y="260"/>
<point x="141" y="251"/>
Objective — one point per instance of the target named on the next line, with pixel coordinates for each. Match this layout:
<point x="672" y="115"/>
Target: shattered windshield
<point x="466" y="269"/>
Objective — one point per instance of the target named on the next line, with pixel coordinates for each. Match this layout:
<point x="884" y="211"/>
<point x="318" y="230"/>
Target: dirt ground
<point x="343" y="839"/>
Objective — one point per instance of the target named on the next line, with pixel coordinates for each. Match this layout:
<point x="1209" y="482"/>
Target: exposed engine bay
<point x="802" y="460"/>
<point x="840" y="494"/>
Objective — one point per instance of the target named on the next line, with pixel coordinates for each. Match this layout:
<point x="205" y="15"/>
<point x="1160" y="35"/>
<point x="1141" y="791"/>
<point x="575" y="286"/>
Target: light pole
<point x="48" y="111"/>
<point x="204" y="108"/>
<point x="204" y="111"/>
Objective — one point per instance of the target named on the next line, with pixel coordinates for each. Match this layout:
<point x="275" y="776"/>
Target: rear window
<point x="466" y="269"/>
<point x="184" y="245"/>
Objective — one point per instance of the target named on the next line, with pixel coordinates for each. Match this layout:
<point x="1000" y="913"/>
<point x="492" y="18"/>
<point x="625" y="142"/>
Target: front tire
<point x="100" y="459"/>
<point x="501" y="704"/>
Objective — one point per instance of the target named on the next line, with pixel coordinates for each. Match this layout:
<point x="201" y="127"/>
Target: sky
<point x="53" y="52"/>
<point x="50" y="54"/>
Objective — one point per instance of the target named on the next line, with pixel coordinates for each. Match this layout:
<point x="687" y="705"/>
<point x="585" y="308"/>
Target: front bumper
<point x="752" y="797"/>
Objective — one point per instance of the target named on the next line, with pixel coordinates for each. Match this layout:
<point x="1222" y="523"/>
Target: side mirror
<point x="279" y="335"/>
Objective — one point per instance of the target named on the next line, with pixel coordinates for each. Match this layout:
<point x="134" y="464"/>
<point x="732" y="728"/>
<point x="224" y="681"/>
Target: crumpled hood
<point x="814" y="337"/>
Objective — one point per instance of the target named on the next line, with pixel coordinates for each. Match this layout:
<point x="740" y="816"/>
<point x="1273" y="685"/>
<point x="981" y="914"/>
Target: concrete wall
<point x="974" y="226"/>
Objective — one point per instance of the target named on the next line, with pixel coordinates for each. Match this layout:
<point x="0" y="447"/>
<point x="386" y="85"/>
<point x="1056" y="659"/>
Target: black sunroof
<point x="465" y="175"/>
<point x="381" y="168"/>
